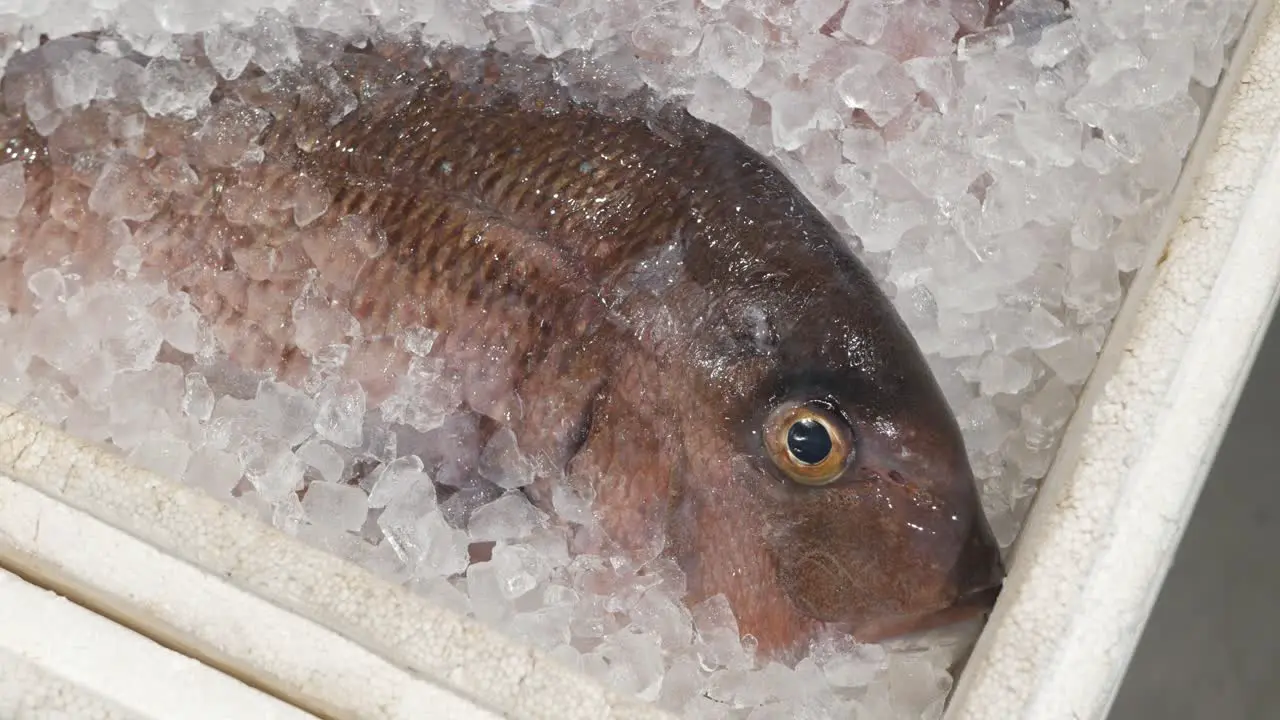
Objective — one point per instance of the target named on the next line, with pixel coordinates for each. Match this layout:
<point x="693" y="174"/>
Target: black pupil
<point x="809" y="441"/>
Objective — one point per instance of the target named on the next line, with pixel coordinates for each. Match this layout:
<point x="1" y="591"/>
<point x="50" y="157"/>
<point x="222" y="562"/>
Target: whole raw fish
<point x="666" y="323"/>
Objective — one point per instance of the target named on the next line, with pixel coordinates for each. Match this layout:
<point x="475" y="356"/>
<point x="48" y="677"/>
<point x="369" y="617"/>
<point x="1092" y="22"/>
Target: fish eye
<point x="810" y="442"/>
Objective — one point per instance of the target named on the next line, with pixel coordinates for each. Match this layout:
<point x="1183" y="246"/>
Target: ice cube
<point x="715" y="101"/>
<point x="937" y="78"/>
<point x="633" y="664"/>
<point x="795" y="117"/>
<point x="197" y="398"/>
<point x="163" y="454"/>
<point x="731" y="54"/>
<point x="502" y="463"/>
<point x="877" y="85"/>
<point x="128" y="258"/>
<point x="849" y="665"/>
<point x="670" y="30"/>
<point x="865" y="20"/>
<point x="49" y="286"/>
<point x="444" y="547"/>
<point x="310" y="201"/>
<point x="717" y="643"/>
<point x="1052" y="138"/>
<point x="287" y="413"/>
<point x="214" y="471"/>
<point x="334" y="505"/>
<point x="13" y="189"/>
<point x="396" y="479"/>
<point x="340" y="413"/>
<point x="1003" y="374"/>
<point x="1056" y="44"/>
<point x="170" y="87"/>
<point x="425" y="395"/>
<point x="918" y="687"/>
<point x="288" y="515"/>
<point x="518" y="569"/>
<point x="278" y="475"/>
<point x="418" y="340"/>
<point x="274" y="40"/>
<point x="130" y="335"/>
<point x="228" y="51"/>
<point x="510" y="517"/>
<point x="484" y="587"/>
<point x="664" y="614"/>
<point x="180" y="323"/>
<point x="570" y="505"/>
<point x="320" y="321"/>
<point x="123" y="193"/>
<point x="326" y="461"/>
<point x="985" y="41"/>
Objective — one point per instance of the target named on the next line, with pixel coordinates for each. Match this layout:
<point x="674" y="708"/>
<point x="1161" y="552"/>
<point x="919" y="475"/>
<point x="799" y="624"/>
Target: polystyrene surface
<point x="1100" y="539"/>
<point x="58" y="659"/>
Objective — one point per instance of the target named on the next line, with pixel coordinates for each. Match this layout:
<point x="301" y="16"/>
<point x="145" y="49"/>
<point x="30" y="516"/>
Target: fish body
<point x="665" y="322"/>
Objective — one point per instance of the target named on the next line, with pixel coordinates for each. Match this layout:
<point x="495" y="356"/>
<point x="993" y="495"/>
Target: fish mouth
<point x="973" y="604"/>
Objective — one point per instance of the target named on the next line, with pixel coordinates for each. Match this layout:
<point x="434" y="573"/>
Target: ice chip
<point x="123" y="193"/>
<point x="171" y="87"/>
<point x="670" y="29"/>
<point x="334" y="505"/>
<point x="1056" y="43"/>
<point x="287" y="412"/>
<point x="180" y="324"/>
<point x="197" y="398"/>
<point x="163" y="454"/>
<point x="865" y="20"/>
<point x="715" y="101"/>
<point x="340" y="413"/>
<point x="510" y="517"/>
<point x="731" y="54"/>
<point x="502" y="463"/>
<point x="794" y="118"/>
<point x="1054" y="139"/>
<point x="49" y="286"/>
<point x="13" y="189"/>
<point x="320" y="321"/>
<point x="518" y="570"/>
<point x="877" y="85"/>
<point x="633" y="664"/>
<point x="986" y="41"/>
<point x="918" y="686"/>
<point x="321" y="456"/>
<point x="444" y="547"/>
<point x="418" y="340"/>
<point x="396" y="479"/>
<point x="279" y="475"/>
<point x="214" y="471"/>
<point x="228" y="51"/>
<point x="310" y="201"/>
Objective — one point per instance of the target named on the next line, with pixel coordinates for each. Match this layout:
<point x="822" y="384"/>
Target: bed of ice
<point x="1001" y="188"/>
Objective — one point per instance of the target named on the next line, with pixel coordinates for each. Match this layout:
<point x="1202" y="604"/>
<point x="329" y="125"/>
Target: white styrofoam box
<point x="334" y="640"/>
<point x="59" y="660"/>
<point x="1089" y="563"/>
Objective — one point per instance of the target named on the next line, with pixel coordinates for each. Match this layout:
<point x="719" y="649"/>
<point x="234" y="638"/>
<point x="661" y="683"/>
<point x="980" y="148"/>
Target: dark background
<point x="1211" y="649"/>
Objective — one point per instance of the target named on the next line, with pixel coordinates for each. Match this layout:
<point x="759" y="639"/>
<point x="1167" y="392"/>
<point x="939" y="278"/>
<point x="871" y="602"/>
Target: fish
<point x="667" y="325"/>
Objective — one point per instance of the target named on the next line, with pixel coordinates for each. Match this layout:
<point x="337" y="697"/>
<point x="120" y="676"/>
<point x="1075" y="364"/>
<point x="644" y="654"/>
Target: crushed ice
<point x="1001" y="187"/>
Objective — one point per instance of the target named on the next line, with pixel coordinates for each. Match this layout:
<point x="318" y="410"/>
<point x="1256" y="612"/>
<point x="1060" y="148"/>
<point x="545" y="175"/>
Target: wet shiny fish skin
<point x="632" y="291"/>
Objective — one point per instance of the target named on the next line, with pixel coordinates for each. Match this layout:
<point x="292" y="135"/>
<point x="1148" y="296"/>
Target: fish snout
<point x="980" y="571"/>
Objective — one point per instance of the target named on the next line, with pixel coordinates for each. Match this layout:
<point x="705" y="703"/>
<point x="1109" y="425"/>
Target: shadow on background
<point x="1211" y="649"/>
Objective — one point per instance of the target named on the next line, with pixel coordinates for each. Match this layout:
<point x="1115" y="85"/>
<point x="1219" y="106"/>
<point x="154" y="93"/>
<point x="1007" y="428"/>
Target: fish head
<point x="843" y="443"/>
<point x="871" y="512"/>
